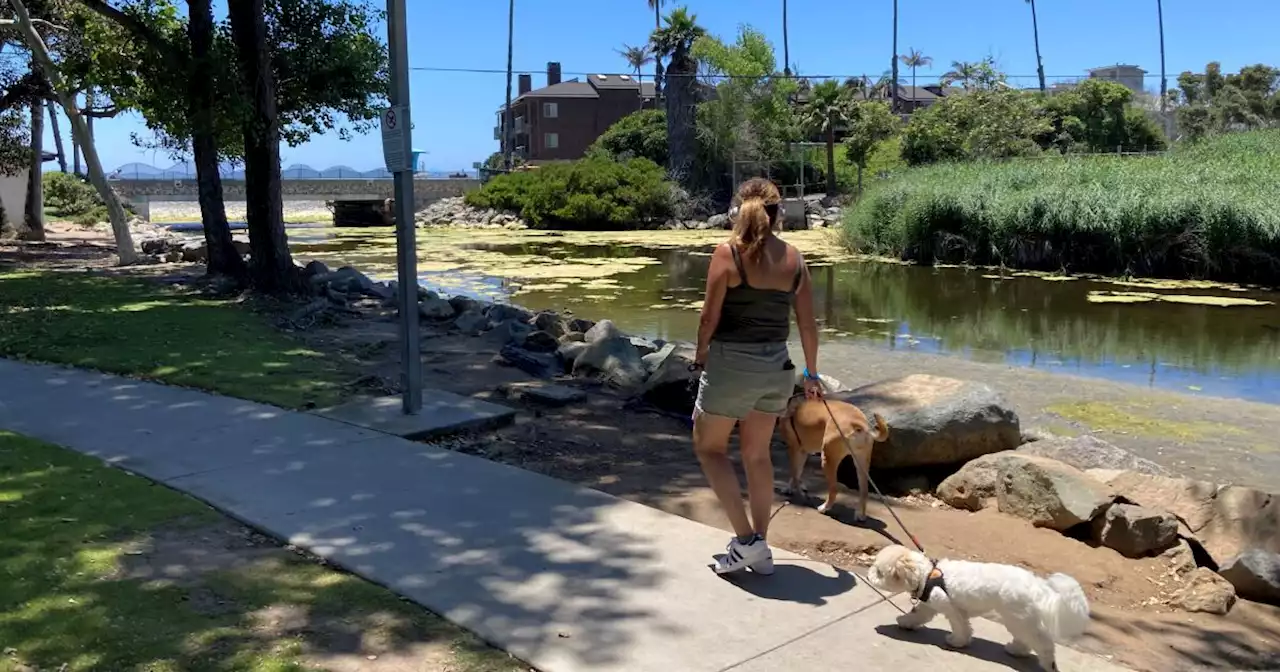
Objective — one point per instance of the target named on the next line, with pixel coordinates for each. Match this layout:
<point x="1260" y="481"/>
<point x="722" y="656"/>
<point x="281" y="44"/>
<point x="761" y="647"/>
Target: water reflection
<point x="1016" y="320"/>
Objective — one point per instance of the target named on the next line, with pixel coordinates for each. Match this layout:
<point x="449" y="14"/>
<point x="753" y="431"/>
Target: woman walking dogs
<point x="754" y="282"/>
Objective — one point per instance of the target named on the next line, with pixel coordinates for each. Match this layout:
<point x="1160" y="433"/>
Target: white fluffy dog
<point x="1036" y="611"/>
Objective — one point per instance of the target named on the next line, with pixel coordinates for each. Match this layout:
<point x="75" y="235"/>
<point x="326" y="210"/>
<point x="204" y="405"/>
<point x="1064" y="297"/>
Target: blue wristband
<point x="810" y="376"/>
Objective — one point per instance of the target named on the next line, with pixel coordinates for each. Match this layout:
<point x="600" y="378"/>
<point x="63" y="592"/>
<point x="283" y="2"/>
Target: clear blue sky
<point x="454" y="113"/>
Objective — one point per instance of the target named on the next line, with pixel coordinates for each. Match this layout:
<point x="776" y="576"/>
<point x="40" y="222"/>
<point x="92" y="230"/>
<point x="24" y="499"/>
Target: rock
<point x="1205" y="591"/>
<point x="1089" y="452"/>
<point x="540" y="341"/>
<point x="501" y="312"/>
<point x="602" y="330"/>
<point x="472" y="322"/>
<point x="435" y="309"/>
<point x="463" y="304"/>
<point x="573" y="337"/>
<point x="173" y="256"/>
<point x="1255" y="574"/>
<point x="615" y="359"/>
<point x="671" y="385"/>
<point x="569" y="353"/>
<point x="937" y="421"/>
<point x="1048" y="493"/>
<point x="1135" y="531"/>
<point x="193" y="252"/>
<point x="155" y="246"/>
<point x="515" y="331"/>
<point x="1180" y="558"/>
<point x="653" y="359"/>
<point x="533" y="363"/>
<point x="579" y="324"/>
<point x="542" y="392"/>
<point x="974" y="484"/>
<point x="549" y="322"/>
<point x="720" y="221"/>
<point x="643" y="345"/>
<point x="1224" y="521"/>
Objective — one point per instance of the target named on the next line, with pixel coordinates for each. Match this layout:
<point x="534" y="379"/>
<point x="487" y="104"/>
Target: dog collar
<point x="934" y="580"/>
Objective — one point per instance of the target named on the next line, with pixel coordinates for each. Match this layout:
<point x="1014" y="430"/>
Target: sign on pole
<point x="396" y="139"/>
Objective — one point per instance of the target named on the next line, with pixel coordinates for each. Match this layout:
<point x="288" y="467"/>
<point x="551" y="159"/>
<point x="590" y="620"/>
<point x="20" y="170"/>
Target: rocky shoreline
<point x="1220" y="542"/>
<point x="819" y="213"/>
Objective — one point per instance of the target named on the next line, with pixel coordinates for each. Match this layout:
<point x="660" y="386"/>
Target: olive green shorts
<point x="743" y="377"/>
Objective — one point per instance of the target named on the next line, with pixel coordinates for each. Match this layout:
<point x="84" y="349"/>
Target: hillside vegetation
<point x="1203" y="210"/>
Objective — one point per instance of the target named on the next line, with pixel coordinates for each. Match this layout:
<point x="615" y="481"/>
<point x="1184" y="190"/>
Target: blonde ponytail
<point x="751" y="228"/>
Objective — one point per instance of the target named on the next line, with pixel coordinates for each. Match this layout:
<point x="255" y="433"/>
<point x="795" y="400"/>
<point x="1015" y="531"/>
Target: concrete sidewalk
<point x="563" y="577"/>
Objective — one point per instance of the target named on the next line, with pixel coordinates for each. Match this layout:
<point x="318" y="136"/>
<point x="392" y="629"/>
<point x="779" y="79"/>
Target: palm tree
<point x="1164" y="84"/>
<point x="656" y="6"/>
<point x="961" y="71"/>
<point x="915" y="59"/>
<point x="786" y="45"/>
<point x="1035" y="30"/>
<point x="827" y="107"/>
<point x="508" y="123"/>
<point x="637" y="58"/>
<point x="675" y="42"/>
<point x="894" y="61"/>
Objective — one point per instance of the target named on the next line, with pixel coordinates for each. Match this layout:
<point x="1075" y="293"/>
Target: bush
<point x="68" y="195"/>
<point x="592" y="193"/>
<point x="641" y="134"/>
<point x="1206" y="210"/>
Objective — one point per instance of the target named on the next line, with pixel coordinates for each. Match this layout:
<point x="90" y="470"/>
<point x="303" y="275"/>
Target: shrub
<point x="68" y="195"/>
<point x="1204" y="210"/>
<point x="592" y="193"/>
<point x="90" y="218"/>
<point x="641" y="134"/>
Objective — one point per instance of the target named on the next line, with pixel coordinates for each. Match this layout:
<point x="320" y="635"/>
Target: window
<point x="551" y="140"/>
<point x="551" y="110"/>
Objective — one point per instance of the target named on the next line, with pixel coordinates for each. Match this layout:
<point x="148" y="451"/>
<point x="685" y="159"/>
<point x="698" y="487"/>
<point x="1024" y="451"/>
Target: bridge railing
<point x="140" y="172"/>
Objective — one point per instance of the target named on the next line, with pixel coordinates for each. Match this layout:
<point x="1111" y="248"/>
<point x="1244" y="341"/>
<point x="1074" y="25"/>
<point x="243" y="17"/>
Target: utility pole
<point x="397" y="150"/>
<point x="508" y="123"/>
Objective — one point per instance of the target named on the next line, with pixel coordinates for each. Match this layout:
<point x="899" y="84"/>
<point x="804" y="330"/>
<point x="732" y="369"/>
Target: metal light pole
<point x="397" y="148"/>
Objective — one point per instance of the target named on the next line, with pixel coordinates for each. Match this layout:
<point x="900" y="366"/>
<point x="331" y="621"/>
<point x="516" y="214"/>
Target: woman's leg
<point x="711" y="445"/>
<point x="755" y="434"/>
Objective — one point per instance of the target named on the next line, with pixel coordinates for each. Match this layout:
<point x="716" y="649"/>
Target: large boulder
<point x="937" y="421"/>
<point x="569" y="351"/>
<point x="539" y="341"/>
<point x="1090" y="452"/>
<point x="549" y="322"/>
<point x="435" y="308"/>
<point x="501" y="312"/>
<point x="615" y="360"/>
<point x="672" y="385"/>
<point x="1204" y="591"/>
<point x="1135" y="531"/>
<point x="1255" y="574"/>
<point x="603" y="330"/>
<point x="1048" y="493"/>
<point x="974" y="485"/>
<point x="472" y="322"/>
<point x="539" y="364"/>
<point x="1225" y="521"/>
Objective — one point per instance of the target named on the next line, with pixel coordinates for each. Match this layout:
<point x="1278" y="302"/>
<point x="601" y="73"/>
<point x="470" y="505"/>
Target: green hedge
<point x="1207" y="211"/>
<point x="592" y="193"/>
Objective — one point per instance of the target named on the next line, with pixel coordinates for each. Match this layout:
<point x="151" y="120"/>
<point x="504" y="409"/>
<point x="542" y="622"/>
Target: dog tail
<point x="1065" y="612"/>
<point x="882" y="428"/>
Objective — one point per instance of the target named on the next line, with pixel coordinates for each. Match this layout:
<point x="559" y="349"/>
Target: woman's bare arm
<point x="718" y="276"/>
<point x="805" y="320"/>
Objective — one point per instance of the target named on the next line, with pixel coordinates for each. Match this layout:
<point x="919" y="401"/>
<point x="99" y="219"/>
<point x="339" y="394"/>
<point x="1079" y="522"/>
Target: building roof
<point x="590" y="88"/>
<point x="1118" y="66"/>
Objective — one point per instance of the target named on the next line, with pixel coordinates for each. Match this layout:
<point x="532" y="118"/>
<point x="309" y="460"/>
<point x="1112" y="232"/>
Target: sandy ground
<point x="610" y="444"/>
<point x="189" y="211"/>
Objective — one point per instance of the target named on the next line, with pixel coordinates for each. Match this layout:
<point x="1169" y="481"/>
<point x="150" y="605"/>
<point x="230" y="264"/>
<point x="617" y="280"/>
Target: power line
<point x="503" y="71"/>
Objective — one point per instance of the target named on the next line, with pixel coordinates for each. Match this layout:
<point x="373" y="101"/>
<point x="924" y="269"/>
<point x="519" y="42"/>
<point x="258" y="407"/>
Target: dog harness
<point x="934" y="580"/>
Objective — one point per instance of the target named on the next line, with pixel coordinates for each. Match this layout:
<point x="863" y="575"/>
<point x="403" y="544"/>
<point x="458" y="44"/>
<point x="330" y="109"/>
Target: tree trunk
<point x="119" y="225"/>
<point x="657" y="58"/>
<point x="271" y="267"/>
<point x="57" y="134"/>
<point x="1035" y="29"/>
<point x="33" y="218"/>
<point x="681" y="132"/>
<point x="893" y="65"/>
<point x="222" y="254"/>
<point x="859" y="181"/>
<point x="831" y="157"/>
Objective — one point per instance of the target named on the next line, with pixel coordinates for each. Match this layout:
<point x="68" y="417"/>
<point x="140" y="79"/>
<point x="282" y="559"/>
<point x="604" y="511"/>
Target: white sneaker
<point x="738" y="556"/>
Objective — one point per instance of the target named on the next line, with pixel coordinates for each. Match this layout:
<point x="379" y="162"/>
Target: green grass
<point x="146" y="330"/>
<point x="1206" y="210"/>
<point x="1137" y="418"/>
<point x="69" y="529"/>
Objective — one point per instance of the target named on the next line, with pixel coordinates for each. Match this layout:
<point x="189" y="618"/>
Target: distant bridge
<point x="141" y="193"/>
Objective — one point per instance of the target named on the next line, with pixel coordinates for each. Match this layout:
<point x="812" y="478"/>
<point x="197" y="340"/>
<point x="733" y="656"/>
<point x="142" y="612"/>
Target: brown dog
<point x="808" y="429"/>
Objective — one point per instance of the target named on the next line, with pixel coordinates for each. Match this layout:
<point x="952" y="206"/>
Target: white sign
<point x="397" y="140"/>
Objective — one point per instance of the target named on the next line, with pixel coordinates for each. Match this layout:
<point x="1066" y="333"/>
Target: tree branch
<point x="133" y="25"/>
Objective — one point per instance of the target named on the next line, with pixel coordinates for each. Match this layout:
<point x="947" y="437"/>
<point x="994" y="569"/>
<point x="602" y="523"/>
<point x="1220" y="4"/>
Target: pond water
<point x="1161" y="334"/>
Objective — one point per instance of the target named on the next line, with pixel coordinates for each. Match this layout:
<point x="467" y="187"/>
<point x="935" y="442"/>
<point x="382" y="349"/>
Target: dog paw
<point x="907" y="623"/>
<point x="957" y="642"/>
<point x="1017" y="649"/>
